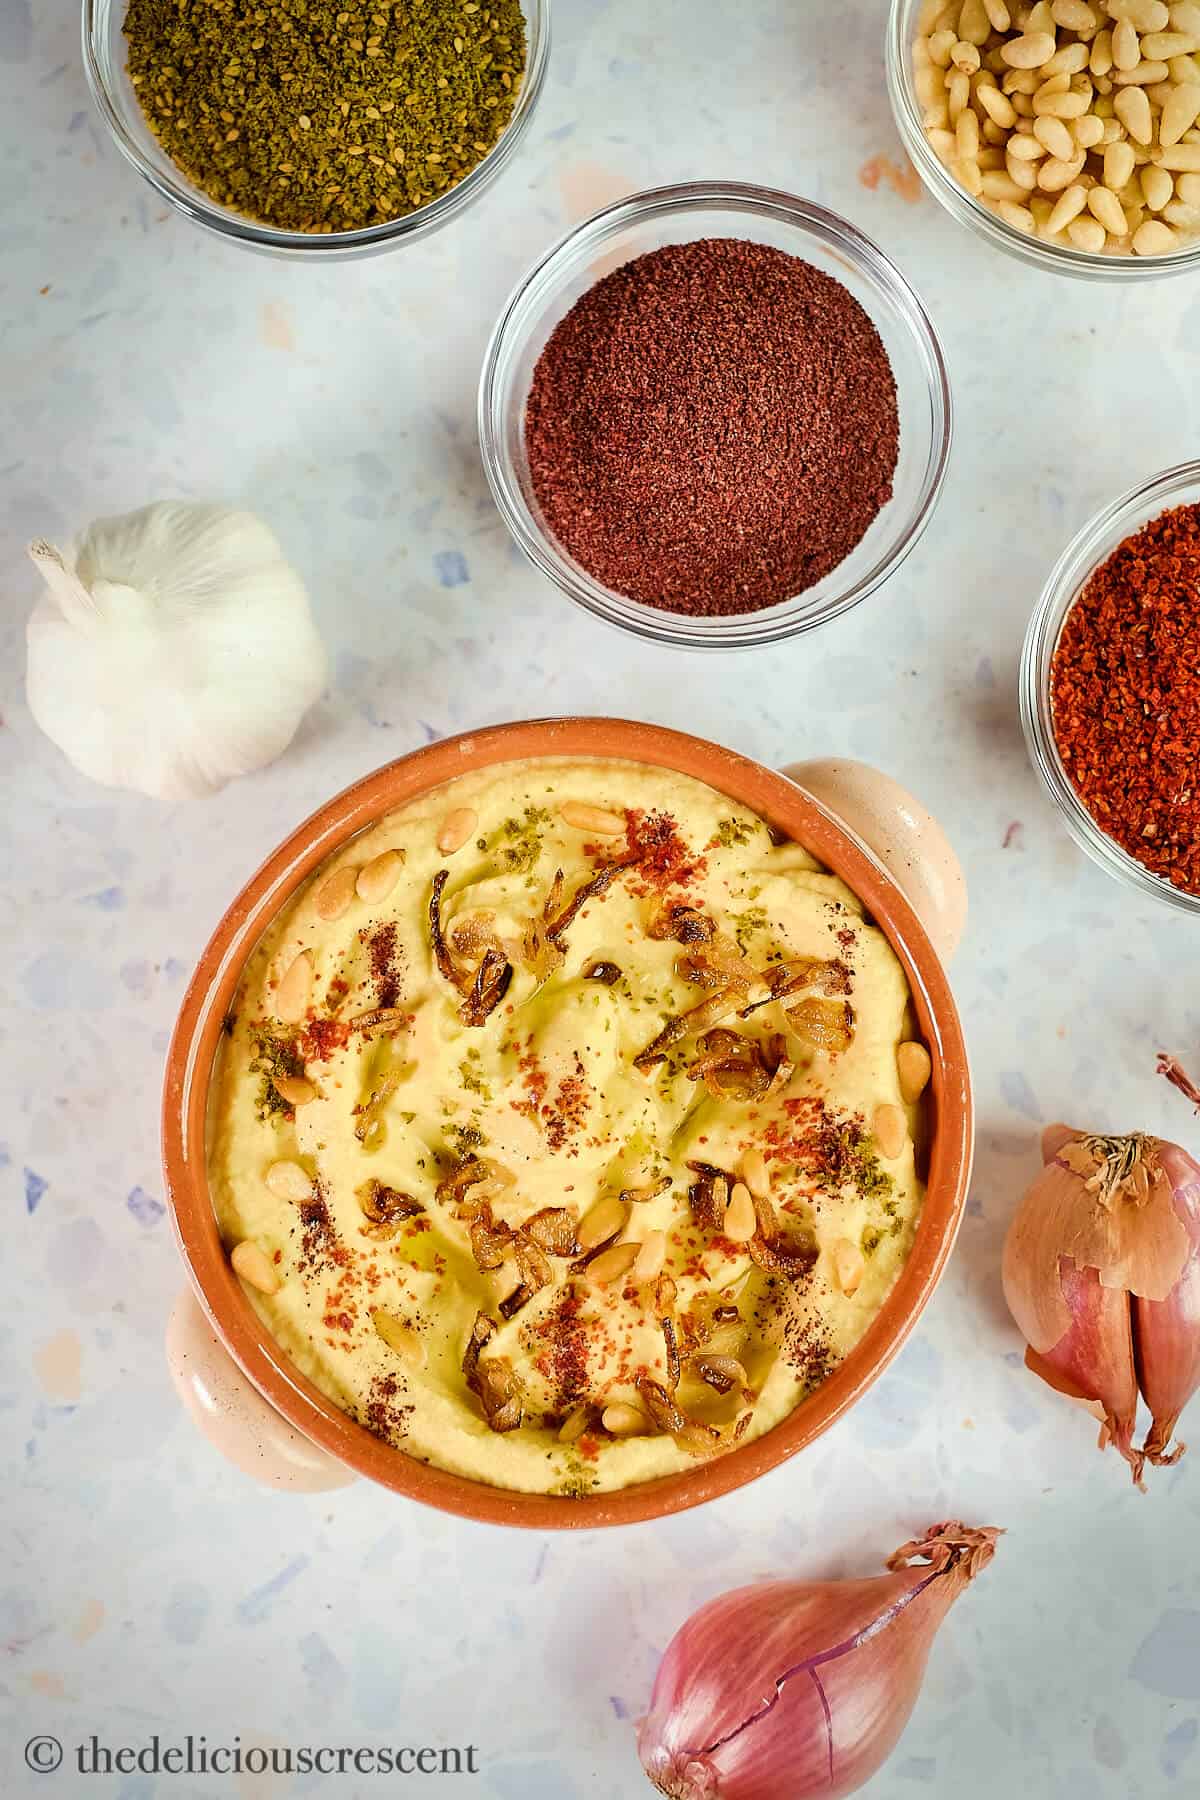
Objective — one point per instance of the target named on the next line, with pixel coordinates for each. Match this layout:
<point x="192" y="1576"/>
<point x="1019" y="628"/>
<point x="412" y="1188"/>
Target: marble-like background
<point x="145" y="1587"/>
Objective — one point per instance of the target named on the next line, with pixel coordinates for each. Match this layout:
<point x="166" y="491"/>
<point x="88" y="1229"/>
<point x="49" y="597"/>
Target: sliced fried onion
<point x="386" y="1208"/>
<point x="473" y="1183"/>
<point x="553" y="1230"/>
<point x="370" y="1115"/>
<point x="482" y="991"/>
<point x="671" y="1343"/>
<point x="826" y="1024"/>
<point x="599" y="884"/>
<point x="491" y="1240"/>
<point x="709" y="1012"/>
<point x="799" y="973"/>
<point x="708" y="1195"/>
<point x="606" y="973"/>
<point x="734" y="1067"/>
<point x="634" y="1196"/>
<point x="716" y="964"/>
<point x="494" y="1382"/>
<point x="770" y="1253"/>
<point x="666" y="1417"/>
<point x="686" y="924"/>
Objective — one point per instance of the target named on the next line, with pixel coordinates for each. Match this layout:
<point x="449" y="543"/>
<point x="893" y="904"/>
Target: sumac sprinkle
<point x="1125" y="695"/>
<point x="713" y="427"/>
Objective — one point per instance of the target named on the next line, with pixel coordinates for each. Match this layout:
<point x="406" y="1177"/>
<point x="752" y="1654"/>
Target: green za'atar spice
<point x="314" y="115"/>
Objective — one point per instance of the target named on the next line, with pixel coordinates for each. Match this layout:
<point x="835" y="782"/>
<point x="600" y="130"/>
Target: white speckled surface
<point x="148" y="1588"/>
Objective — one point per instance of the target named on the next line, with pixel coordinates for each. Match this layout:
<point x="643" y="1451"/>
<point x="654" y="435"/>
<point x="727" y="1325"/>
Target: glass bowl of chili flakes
<point x="1110" y="688"/>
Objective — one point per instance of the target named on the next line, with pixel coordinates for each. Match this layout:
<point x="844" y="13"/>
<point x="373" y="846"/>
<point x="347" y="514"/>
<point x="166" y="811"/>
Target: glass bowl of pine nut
<point x="1066" y="132"/>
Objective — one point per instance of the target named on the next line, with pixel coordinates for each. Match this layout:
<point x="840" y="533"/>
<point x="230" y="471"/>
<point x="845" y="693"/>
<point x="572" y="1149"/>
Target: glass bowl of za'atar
<point x="1066" y="133"/>
<point x="1110" y="695"/>
<point x="796" y="436"/>
<point x="335" y="130"/>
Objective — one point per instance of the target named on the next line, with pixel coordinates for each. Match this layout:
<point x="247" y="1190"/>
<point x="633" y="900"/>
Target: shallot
<point x="787" y="1689"/>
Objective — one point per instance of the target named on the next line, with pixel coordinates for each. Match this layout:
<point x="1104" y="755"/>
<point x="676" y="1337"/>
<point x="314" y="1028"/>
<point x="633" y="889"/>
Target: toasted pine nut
<point x="1104" y="205"/>
<point x="650" y="1258"/>
<point x="400" y="1337"/>
<point x="335" y="894"/>
<point x="288" y="1181"/>
<point x="377" y="879"/>
<point x="1087" y="233"/>
<point x="754" y="1173"/>
<point x="582" y="817"/>
<point x="294" y="990"/>
<point x="294" y="1089"/>
<point x="604" y="1221"/>
<point x="251" y="1262"/>
<point x="913" y="1062"/>
<point x="1133" y="109"/>
<point x="574" y="1425"/>
<point x="741" y="1220"/>
<point x="620" y="1420"/>
<point x="1154" y="238"/>
<point x="849" y="1265"/>
<point x="456" y="828"/>
<point x="890" y="1129"/>
<point x="612" y="1265"/>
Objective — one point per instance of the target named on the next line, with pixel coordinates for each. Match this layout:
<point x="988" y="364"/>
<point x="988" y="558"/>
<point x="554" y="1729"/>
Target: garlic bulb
<point x="173" y="649"/>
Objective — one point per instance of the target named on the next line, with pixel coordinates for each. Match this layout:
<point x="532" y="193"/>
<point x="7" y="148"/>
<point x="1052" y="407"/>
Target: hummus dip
<point x="563" y="1126"/>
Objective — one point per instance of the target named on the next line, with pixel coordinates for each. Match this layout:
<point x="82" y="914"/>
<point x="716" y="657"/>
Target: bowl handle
<point x="903" y="834"/>
<point x="233" y="1415"/>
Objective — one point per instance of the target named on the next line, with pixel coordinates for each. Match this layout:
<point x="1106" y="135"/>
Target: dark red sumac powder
<point x="713" y="427"/>
<point x="1125" y="694"/>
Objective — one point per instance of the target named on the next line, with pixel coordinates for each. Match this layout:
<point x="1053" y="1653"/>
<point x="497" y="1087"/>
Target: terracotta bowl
<point x="240" y="1386"/>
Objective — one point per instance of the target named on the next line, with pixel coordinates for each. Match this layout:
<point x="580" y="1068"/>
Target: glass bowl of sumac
<point x="758" y="471"/>
<point x="1110" y="688"/>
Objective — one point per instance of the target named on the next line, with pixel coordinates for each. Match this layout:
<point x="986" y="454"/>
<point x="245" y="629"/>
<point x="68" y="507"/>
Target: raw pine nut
<point x="612" y="1265"/>
<point x="294" y="1089"/>
<point x="1133" y="109"/>
<point x="1073" y="15"/>
<point x="849" y="1265"/>
<point x="965" y="57"/>
<point x="941" y="47"/>
<point x="1029" y="51"/>
<point x="997" y="106"/>
<point x="1025" y="147"/>
<point x="1144" y="15"/>
<point x="974" y="26"/>
<point x="1023" y="174"/>
<point x="1054" y="175"/>
<point x="604" y="1221"/>
<point x="1118" y="166"/>
<point x="741" y="1221"/>
<point x="890" y="1129"/>
<point x="944" y="143"/>
<point x="294" y="990"/>
<point x="376" y="881"/>
<point x="1179" y="114"/>
<point x="1183" y="159"/>
<point x="1158" y="189"/>
<point x="969" y="175"/>
<point x="1101" y="60"/>
<point x="650" y="1258"/>
<point x="1087" y="131"/>
<point x="1185" y="16"/>
<point x="998" y="185"/>
<point x="1072" y="59"/>
<point x="966" y="134"/>
<point x="1104" y="205"/>
<point x="1055" y="137"/>
<point x="1125" y="48"/>
<point x="1068" y="206"/>
<point x="288" y="1181"/>
<point x="255" y="1267"/>
<point x="754" y="1173"/>
<point x="913" y="1062"/>
<point x="1154" y="238"/>
<point x="1059" y="105"/>
<point x="1019" y="217"/>
<point x="620" y="1420"/>
<point x="1188" y="189"/>
<point x="1146" y="75"/>
<point x="958" y="88"/>
<point x="1087" y="233"/>
<point x="582" y="817"/>
<point x="335" y="894"/>
<point x="1161" y="46"/>
<point x="1040" y="17"/>
<point x="456" y="828"/>
<point x="1187" y="218"/>
<point x="998" y="14"/>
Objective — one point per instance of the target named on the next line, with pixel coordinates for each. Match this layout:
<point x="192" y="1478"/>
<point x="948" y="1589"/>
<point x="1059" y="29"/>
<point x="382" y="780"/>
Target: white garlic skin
<point x="174" y="649"/>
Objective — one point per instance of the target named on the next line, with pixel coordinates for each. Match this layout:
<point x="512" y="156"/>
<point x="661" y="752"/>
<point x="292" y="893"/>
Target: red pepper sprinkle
<point x="1125" y="692"/>
<point x="713" y="427"/>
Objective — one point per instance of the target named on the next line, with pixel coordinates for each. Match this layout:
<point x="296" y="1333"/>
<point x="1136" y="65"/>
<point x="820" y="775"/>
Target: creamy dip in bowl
<point x="567" y="1134"/>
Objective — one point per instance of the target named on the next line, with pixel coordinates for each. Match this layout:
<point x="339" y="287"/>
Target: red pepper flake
<point x="322" y="1037"/>
<point x="664" y="856"/>
<point x="1125" y="693"/>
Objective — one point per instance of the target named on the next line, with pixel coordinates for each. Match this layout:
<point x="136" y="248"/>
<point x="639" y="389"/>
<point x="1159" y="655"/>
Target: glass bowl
<point x="1093" y="545"/>
<point x="104" y="62"/>
<point x="674" y="215"/>
<point x="1063" y="259"/>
